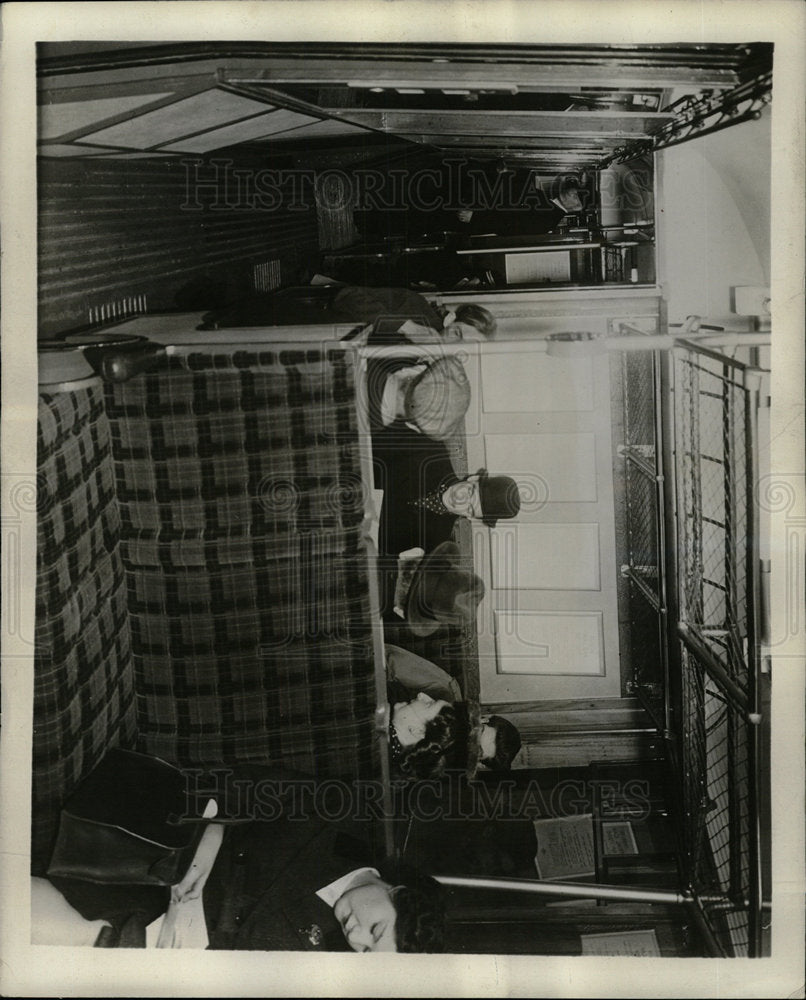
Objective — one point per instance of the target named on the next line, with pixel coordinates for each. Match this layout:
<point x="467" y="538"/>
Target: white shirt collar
<point x="332" y="893"/>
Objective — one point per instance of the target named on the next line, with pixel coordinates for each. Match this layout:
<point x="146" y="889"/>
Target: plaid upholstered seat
<point x="84" y="699"/>
<point x="201" y="561"/>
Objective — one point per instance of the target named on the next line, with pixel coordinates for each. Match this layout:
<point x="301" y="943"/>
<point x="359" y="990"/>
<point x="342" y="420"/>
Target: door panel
<point x="541" y="559"/>
<point x="565" y="464"/>
<point x="548" y="626"/>
<point x="525" y="383"/>
<point x="567" y="643"/>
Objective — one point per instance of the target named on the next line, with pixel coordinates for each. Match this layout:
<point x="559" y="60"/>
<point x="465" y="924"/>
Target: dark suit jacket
<point x="261" y="894"/>
<point x="388" y="308"/>
<point x="523" y="221"/>
<point x="408" y="465"/>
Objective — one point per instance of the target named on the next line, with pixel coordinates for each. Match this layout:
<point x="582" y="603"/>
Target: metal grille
<point x="116" y="308"/>
<point x="713" y="458"/>
<point x="266" y="276"/>
<point x="646" y="654"/>
<point x="642" y="528"/>
<point x="710" y="432"/>
<point x="718" y="865"/>
<point x="642" y="497"/>
<point x="708" y="705"/>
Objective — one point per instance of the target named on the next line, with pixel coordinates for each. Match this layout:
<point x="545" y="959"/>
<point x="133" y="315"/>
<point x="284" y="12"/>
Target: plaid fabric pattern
<point x="241" y="500"/>
<point x="84" y="698"/>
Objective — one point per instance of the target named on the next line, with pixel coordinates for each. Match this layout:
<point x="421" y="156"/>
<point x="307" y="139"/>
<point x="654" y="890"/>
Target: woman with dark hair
<point x="299" y="882"/>
<point x="426" y="736"/>
<point x="420" y="904"/>
<point x="493" y="742"/>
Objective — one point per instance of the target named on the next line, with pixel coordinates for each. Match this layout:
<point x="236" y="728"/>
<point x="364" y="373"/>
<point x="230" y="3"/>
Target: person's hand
<point x="203" y="860"/>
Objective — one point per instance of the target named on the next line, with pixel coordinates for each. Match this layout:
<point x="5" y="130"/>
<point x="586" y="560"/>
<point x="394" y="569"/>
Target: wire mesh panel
<point x="717" y="855"/>
<point x="713" y="435"/>
<point x="642" y="500"/>
<point x="642" y="526"/>
<point x="711" y="450"/>
<point x="646" y="653"/>
<point x="639" y="400"/>
<point x="691" y="552"/>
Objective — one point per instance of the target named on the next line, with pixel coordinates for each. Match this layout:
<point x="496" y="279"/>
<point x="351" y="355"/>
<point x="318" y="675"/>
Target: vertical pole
<point x="752" y="389"/>
<point x="674" y="720"/>
<point x="670" y="537"/>
<point x="661" y="536"/>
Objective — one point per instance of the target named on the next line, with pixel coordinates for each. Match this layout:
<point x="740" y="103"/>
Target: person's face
<point x="487" y="742"/>
<point x="410" y="717"/>
<point x="461" y="331"/>
<point x="367" y="916"/>
<point x="463" y="497"/>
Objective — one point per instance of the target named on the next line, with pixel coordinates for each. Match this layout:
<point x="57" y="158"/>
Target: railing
<point x="715" y="452"/>
<point x="692" y="560"/>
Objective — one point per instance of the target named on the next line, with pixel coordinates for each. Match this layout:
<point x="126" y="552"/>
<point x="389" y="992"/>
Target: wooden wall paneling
<point x="109" y="229"/>
<point x="577" y="732"/>
<point x="556" y="929"/>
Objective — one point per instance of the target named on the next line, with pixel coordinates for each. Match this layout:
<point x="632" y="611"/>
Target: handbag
<point x="125" y="824"/>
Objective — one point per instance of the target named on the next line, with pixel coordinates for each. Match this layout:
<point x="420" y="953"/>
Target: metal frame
<point x="710" y="660"/>
<point x="722" y="758"/>
<point x="699" y="115"/>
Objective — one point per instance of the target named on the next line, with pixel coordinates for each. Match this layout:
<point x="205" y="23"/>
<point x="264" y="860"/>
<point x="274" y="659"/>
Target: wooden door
<point x="548" y="627"/>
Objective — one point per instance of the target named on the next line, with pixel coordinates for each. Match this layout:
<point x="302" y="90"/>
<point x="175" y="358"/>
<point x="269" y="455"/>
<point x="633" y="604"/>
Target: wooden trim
<point x="615" y="124"/>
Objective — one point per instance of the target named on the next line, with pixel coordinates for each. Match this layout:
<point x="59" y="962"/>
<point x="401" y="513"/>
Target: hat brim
<point x="444" y="557"/>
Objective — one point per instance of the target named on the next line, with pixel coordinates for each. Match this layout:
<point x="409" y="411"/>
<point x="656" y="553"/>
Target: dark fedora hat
<point x="442" y="593"/>
<point x="499" y="497"/>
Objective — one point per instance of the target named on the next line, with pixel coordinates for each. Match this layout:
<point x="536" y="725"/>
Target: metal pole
<point x="711" y="941"/>
<point x="571" y="348"/>
<point x="753" y="587"/>
<point x="671" y="543"/>
<point x="577" y="890"/>
<point x="712" y="666"/>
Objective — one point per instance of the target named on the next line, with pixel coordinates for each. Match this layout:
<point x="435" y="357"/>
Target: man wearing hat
<point x="423" y="496"/>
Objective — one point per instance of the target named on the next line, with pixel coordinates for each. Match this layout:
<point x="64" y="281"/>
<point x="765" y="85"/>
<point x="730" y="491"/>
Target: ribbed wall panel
<point x="111" y="229"/>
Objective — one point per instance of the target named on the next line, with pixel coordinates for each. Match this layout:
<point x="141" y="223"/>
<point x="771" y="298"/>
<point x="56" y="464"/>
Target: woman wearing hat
<point x="429" y="391"/>
<point x="418" y="687"/>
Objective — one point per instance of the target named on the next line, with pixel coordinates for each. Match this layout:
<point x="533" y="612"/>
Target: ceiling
<point x="552" y="108"/>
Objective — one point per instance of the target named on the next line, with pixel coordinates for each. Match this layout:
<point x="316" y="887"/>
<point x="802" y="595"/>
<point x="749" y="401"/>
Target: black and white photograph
<point x="401" y="552"/>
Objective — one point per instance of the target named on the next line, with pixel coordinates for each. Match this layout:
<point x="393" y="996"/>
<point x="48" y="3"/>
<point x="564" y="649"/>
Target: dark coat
<point x="408" y="465"/>
<point x="261" y="894"/>
<point x="387" y="308"/>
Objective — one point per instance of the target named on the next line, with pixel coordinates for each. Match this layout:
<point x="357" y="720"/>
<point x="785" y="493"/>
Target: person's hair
<point x="507" y="744"/>
<point x="444" y="745"/>
<point x="478" y="316"/>
<point x="419" y="903"/>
